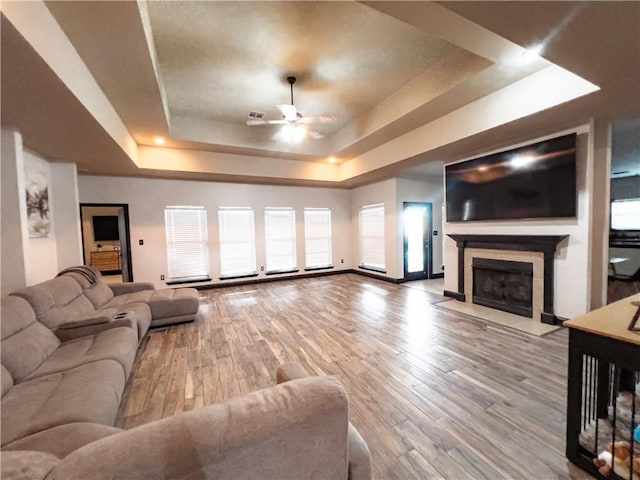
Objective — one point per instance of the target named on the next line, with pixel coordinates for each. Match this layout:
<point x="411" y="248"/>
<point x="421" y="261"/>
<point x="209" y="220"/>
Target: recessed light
<point x="332" y="160"/>
<point x="158" y="141"/>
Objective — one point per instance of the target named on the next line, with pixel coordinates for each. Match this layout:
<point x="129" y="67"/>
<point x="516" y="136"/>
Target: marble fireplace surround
<point x="536" y="249"/>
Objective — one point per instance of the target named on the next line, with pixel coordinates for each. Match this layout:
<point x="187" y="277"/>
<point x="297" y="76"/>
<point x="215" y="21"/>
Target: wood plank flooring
<point x="435" y="393"/>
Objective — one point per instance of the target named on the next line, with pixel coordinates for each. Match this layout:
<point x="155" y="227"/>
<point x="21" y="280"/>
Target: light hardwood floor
<point x="434" y="393"/>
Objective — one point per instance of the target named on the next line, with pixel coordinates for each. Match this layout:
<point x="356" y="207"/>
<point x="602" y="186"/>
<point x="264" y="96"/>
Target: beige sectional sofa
<point x="65" y="363"/>
<point x="77" y="303"/>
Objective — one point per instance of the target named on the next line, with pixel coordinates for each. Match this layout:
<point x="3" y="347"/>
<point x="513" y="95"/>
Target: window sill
<point x="372" y="269"/>
<point x="323" y="267"/>
<point x="276" y="272"/>
<point x="240" y="275"/>
<point x="179" y="281"/>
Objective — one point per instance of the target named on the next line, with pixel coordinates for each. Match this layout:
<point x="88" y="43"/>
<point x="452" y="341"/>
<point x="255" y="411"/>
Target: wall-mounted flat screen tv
<point x="535" y="181"/>
<point x="105" y="227"/>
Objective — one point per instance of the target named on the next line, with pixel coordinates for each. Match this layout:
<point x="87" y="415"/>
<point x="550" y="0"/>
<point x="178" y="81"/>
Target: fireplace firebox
<point x="503" y="284"/>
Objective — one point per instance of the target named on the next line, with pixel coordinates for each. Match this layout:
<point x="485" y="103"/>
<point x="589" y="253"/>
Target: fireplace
<point x="503" y="284"/>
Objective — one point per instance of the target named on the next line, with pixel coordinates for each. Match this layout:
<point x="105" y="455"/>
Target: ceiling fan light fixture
<point x="531" y="54"/>
<point x="299" y="133"/>
<point x="291" y="133"/>
<point x="294" y="125"/>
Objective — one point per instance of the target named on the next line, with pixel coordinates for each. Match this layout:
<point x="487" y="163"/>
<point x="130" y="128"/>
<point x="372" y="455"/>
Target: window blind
<point x="280" y="239"/>
<point x="371" y="219"/>
<point x="317" y="237"/>
<point x="237" y="242"/>
<point x="187" y="242"/>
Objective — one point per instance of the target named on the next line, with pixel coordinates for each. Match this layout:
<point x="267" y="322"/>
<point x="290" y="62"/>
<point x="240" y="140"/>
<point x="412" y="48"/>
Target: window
<point x="625" y="214"/>
<point x="317" y="237"/>
<point x="187" y="244"/>
<point x="280" y="239"/>
<point x="372" y="237"/>
<point x="237" y="242"/>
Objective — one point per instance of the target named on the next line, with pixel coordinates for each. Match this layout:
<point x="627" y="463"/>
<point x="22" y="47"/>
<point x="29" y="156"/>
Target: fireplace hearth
<point x="503" y="284"/>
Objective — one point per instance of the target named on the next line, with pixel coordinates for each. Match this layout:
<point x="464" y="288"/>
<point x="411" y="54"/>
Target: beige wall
<point x="382" y="192"/>
<point x="25" y="260"/>
<point x="147" y="199"/>
<point x="573" y="256"/>
<point x="41" y="253"/>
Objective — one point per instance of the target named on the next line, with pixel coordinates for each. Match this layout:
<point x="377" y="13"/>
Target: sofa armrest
<point x="130" y="287"/>
<point x="84" y="322"/>
<point x="359" y="454"/>
<point x="26" y="464"/>
<point x="294" y="430"/>
<point x="290" y="371"/>
<point x="65" y="334"/>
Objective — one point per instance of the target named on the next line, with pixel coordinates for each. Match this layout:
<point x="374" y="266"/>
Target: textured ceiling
<point x="219" y="60"/>
<point x="191" y="71"/>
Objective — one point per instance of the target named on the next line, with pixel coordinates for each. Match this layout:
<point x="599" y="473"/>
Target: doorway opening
<point x="106" y="245"/>
<point x="417" y="220"/>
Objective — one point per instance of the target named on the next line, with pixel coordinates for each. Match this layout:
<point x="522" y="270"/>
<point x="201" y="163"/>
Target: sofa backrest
<point x="7" y="380"/>
<point x="97" y="292"/>
<point x="25" y="342"/>
<point x="56" y="300"/>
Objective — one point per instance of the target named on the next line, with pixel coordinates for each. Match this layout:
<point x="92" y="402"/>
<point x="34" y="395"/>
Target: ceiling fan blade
<point x="289" y="112"/>
<point x="317" y="119"/>
<point x="316" y="135"/>
<point x="253" y="123"/>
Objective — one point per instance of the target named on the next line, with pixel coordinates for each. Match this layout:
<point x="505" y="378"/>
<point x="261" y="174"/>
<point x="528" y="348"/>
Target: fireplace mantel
<point x="546" y="244"/>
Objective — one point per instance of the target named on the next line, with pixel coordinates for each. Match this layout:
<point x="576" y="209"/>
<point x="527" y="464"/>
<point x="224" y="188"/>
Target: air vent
<point x="256" y="115"/>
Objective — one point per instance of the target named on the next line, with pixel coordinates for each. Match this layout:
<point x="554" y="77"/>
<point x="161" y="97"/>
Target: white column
<point x="13" y="237"/>
<point x="600" y="206"/>
<point x="66" y="214"/>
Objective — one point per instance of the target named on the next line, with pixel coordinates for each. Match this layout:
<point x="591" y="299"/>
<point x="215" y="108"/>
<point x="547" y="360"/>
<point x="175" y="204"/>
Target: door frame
<point x="428" y="237"/>
<point x="127" y="239"/>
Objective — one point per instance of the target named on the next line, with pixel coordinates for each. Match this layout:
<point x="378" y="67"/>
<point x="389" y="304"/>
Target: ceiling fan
<point x="295" y="126"/>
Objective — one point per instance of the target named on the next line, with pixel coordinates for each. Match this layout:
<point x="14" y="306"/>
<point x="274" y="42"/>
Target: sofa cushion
<point x="119" y="301"/>
<point x="56" y="300"/>
<point x="170" y="302"/>
<point x="63" y="439"/>
<point x="117" y="344"/>
<point x="7" y="381"/>
<point x="98" y="294"/>
<point x="142" y="314"/>
<point x="90" y="393"/>
<point x="26" y="343"/>
<point x="27" y="465"/>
